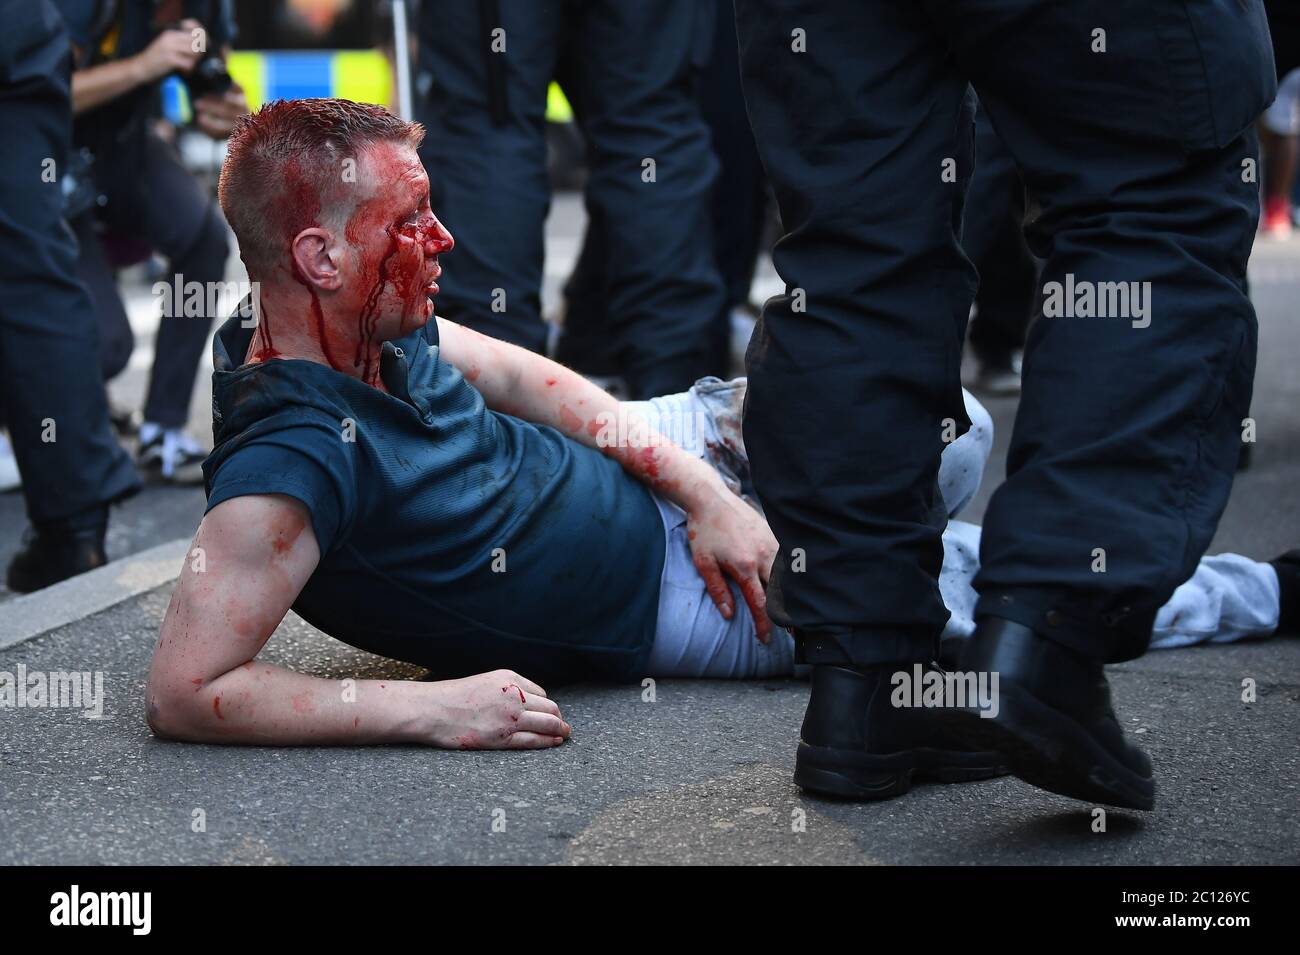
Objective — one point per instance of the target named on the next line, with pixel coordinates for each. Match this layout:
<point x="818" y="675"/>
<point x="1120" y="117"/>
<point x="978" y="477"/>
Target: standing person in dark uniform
<point x="1132" y="125"/>
<point x="50" y="387"/>
<point x="484" y="67"/>
<point x="125" y="48"/>
<point x="738" y="218"/>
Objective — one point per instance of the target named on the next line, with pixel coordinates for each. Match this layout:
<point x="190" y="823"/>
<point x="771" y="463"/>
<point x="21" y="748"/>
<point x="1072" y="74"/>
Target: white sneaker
<point x="10" y="479"/>
<point x="176" y="455"/>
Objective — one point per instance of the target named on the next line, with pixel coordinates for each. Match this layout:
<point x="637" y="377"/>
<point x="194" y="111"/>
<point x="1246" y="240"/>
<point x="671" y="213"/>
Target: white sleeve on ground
<point x="961" y="560"/>
<point x="961" y="468"/>
<point x="1229" y="598"/>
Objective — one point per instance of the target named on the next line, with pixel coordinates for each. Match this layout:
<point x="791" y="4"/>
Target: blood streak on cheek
<point x="216" y="707"/>
<point x="369" y="219"/>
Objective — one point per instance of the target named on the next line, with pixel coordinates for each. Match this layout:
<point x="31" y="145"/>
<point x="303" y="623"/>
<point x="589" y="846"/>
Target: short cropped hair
<point x="285" y="170"/>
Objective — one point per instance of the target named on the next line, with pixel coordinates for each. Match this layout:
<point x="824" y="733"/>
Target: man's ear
<point x="316" y="259"/>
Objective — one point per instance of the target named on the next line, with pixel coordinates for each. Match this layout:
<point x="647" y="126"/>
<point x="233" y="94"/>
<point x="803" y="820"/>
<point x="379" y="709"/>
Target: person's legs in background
<point x="482" y="94"/>
<point x="116" y="339"/>
<point x="50" y="385"/>
<point x="738" y="203"/>
<point x="740" y="193"/>
<point x="583" y="343"/>
<point x="651" y="174"/>
<point x="1279" y="139"/>
<point x="1278" y="124"/>
<point x="163" y="204"/>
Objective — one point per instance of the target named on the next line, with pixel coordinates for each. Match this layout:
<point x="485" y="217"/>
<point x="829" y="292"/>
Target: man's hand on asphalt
<point x="496" y="710"/>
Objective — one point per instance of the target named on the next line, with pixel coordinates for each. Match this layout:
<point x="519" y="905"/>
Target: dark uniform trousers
<point x="1131" y="122"/>
<point x="152" y="198"/>
<point x="50" y="386"/>
<point x="739" y="204"/>
<point x="632" y="67"/>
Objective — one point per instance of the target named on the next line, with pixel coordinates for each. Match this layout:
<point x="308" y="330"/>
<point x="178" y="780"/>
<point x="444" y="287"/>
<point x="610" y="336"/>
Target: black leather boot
<point x="1287" y="568"/>
<point x="1054" y="722"/>
<point x="50" y="555"/>
<point x="855" y="744"/>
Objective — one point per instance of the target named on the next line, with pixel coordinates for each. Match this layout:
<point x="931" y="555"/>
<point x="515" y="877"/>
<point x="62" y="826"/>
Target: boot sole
<point x="863" y="777"/>
<point x="1046" y="748"/>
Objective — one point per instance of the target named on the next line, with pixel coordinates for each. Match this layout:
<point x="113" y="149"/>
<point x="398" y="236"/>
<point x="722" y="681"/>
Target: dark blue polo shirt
<point x="451" y="536"/>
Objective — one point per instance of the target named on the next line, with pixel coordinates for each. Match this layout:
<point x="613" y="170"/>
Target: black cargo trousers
<point x="1131" y="121"/>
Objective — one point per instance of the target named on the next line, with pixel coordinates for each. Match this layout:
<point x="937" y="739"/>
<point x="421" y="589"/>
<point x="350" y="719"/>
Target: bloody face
<point x="394" y="240"/>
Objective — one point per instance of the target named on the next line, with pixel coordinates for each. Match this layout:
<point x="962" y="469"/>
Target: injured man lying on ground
<point x="429" y="494"/>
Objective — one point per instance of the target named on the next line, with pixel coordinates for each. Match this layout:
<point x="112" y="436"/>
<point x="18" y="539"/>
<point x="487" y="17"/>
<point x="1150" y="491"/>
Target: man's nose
<point x="438" y="239"/>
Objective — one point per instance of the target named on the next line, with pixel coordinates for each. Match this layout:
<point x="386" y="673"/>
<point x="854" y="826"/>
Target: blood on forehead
<point x="398" y="187"/>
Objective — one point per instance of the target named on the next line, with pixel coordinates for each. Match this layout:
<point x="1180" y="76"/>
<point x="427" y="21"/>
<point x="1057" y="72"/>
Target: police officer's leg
<point x="740" y="193"/>
<point x="649" y="188"/>
<point x="584" y="343"/>
<point x="1130" y="124"/>
<point x="484" y="103"/>
<point x="854" y="372"/>
<point x="116" y="340"/>
<point x="181" y="220"/>
<point x="49" y="362"/>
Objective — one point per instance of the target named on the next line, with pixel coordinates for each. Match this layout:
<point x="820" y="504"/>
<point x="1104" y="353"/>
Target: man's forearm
<point x="259" y="703"/>
<point x="99" y="84"/>
<point x="549" y="393"/>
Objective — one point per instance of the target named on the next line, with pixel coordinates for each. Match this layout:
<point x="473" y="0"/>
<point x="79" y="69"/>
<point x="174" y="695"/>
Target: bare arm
<point x="170" y="51"/>
<point x="727" y="535"/>
<point x="252" y="556"/>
